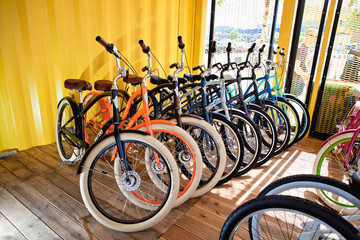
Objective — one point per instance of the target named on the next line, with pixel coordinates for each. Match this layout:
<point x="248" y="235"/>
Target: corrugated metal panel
<point x="45" y="42"/>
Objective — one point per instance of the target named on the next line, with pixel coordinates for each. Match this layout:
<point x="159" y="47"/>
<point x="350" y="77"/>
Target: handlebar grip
<point x="196" y="68"/>
<point x="101" y="41"/>
<point x="276" y="50"/>
<point x="218" y="66"/>
<point x="213" y="46"/>
<point x="251" y="49"/>
<point x="144" y="69"/>
<point x="145" y="48"/>
<point x="262" y="48"/>
<point x="228" y="49"/>
<point x="181" y="43"/>
<point x="282" y="52"/>
<point x="174" y="65"/>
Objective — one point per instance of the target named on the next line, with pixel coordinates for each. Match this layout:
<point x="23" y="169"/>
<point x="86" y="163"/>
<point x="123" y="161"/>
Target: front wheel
<point x="126" y="198"/>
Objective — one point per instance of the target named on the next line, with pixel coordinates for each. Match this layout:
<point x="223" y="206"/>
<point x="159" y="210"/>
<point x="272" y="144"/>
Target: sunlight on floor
<point x="288" y="163"/>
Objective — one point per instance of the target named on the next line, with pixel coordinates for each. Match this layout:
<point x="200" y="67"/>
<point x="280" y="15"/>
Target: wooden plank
<point x="35" y="166"/>
<point x="72" y="208"/>
<point x="176" y="232"/>
<point x="43" y="209"/>
<point x="8" y="230"/>
<point x="24" y="220"/>
<point x="15" y="166"/>
<point x="198" y="228"/>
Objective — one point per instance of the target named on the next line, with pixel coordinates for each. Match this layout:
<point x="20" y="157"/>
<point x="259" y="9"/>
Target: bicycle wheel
<point x="67" y="148"/>
<point x="330" y="159"/>
<point x="130" y="201"/>
<point x="267" y="130"/>
<point x="251" y="137"/>
<point x="231" y="137"/>
<point x="285" y="217"/>
<point x="187" y="154"/>
<point x="294" y="121"/>
<point x="338" y="195"/>
<point x="212" y="149"/>
<point x="233" y="144"/>
<point x="282" y="124"/>
<point x="303" y="113"/>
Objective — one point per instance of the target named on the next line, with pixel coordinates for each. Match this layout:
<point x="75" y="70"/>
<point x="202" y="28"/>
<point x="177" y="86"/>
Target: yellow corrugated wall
<point x="44" y="42"/>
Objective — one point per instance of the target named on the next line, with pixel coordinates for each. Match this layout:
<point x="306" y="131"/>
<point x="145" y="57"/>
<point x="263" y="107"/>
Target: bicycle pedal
<point x="64" y="163"/>
<point x="68" y="163"/>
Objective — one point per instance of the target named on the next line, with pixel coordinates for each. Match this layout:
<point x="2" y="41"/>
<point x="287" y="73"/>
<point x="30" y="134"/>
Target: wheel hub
<point x="130" y="181"/>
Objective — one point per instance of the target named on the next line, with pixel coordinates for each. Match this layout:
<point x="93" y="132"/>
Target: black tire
<point x="293" y="117"/>
<point x="303" y="113"/>
<point x="267" y="130"/>
<point x="235" y="143"/>
<point x="249" y="216"/>
<point x="251" y="138"/>
<point x="323" y="190"/>
<point x="67" y="148"/>
<point x="281" y="122"/>
<point x="222" y="125"/>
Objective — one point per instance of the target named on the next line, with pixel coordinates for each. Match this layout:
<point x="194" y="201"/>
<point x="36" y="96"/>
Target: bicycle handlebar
<point x="145" y="48"/>
<point x="217" y="66"/>
<point x="174" y="65"/>
<point x="228" y="49"/>
<point x="108" y="46"/>
<point x="199" y="68"/>
<point x="181" y="43"/>
<point x="262" y="48"/>
<point x="276" y="50"/>
<point x="251" y="49"/>
<point x="282" y="52"/>
<point x="101" y="41"/>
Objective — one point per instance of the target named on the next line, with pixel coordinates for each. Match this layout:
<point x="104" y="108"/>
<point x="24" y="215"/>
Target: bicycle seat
<point x="77" y="84"/>
<point x="158" y="80"/>
<point x="192" y="77"/>
<point x="355" y="184"/>
<point x="132" y="79"/>
<point x="103" y="85"/>
<point x="209" y="77"/>
<point x="180" y="79"/>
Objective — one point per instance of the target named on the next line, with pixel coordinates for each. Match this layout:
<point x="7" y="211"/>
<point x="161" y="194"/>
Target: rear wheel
<point x="66" y="125"/>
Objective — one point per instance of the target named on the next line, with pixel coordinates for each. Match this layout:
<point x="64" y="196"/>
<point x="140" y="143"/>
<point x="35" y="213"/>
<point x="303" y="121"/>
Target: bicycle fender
<point x="153" y="122"/>
<point x="79" y="170"/>
<point x="173" y="118"/>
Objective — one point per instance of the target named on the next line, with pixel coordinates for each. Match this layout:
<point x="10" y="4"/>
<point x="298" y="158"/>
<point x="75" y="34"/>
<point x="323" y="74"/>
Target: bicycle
<point x="181" y="144"/>
<point x="229" y="134"/>
<point x="300" y="107"/>
<point x="277" y="115"/>
<point x="117" y="172"/>
<point x="278" y="99"/>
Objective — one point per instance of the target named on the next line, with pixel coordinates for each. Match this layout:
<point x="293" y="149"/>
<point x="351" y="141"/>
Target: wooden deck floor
<point x="39" y="199"/>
